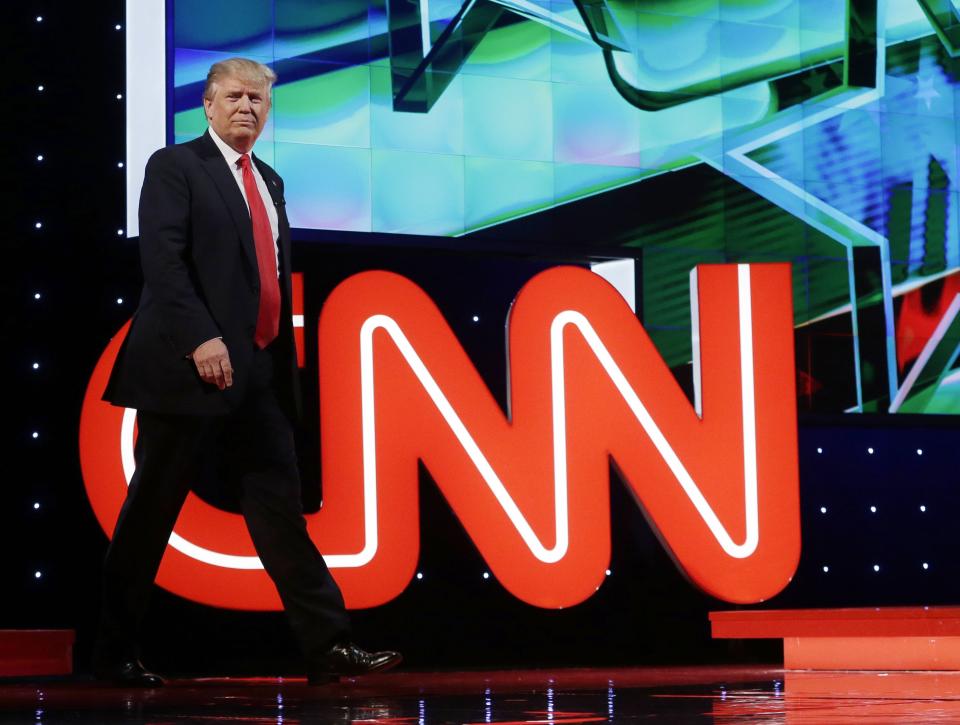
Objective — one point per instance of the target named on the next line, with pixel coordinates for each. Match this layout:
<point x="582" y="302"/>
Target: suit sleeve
<point x="165" y="240"/>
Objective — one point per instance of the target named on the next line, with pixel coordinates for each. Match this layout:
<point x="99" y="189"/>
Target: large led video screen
<point x="823" y="132"/>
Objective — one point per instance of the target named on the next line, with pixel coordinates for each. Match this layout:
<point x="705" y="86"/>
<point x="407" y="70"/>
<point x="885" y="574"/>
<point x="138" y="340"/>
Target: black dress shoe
<point x="347" y="660"/>
<point x="128" y="673"/>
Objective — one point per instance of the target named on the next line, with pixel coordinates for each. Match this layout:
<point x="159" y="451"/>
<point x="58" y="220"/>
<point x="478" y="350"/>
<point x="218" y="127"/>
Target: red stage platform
<point x="36" y="652"/>
<point x="893" y="638"/>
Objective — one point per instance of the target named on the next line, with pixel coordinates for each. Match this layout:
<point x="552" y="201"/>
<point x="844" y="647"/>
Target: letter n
<point x="716" y="479"/>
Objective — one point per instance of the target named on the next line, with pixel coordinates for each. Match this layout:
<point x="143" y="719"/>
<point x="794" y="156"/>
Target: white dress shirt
<point x="232" y="158"/>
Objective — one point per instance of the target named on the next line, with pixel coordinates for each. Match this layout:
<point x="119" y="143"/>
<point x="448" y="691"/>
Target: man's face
<point x="238" y="111"/>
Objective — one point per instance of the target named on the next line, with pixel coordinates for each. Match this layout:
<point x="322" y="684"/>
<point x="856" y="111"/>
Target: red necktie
<point x="268" y="316"/>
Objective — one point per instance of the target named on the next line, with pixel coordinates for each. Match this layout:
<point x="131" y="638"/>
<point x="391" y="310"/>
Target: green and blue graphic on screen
<point x="823" y="132"/>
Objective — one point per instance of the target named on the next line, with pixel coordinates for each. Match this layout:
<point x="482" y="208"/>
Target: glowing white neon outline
<point x="550" y="556"/>
<point x="214" y="558"/>
<point x="559" y="550"/>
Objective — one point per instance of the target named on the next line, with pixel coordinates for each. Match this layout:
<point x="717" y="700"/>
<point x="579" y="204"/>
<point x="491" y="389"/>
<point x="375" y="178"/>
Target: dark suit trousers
<point x="259" y="441"/>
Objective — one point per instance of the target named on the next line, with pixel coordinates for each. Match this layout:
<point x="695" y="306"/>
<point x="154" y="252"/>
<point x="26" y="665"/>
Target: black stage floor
<point x="724" y="695"/>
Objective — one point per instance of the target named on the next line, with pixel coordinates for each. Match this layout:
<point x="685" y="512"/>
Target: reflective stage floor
<point x="673" y="695"/>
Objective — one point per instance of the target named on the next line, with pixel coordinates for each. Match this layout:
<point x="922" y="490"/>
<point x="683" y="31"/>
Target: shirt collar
<point x="229" y="153"/>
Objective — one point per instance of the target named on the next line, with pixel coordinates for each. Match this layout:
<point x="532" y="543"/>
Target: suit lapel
<point x="223" y="179"/>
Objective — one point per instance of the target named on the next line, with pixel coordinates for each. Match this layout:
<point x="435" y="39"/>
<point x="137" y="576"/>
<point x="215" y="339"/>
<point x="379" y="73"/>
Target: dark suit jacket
<point x="200" y="281"/>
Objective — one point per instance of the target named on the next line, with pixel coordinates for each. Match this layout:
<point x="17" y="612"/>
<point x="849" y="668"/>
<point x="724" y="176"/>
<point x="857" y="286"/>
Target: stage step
<point x="870" y="638"/>
<point x="36" y="652"/>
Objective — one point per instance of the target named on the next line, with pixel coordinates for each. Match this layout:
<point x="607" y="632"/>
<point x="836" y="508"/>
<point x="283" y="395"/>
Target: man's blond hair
<point x="242" y="68"/>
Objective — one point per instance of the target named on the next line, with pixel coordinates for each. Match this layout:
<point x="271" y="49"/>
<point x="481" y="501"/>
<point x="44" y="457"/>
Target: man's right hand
<point x="213" y="363"/>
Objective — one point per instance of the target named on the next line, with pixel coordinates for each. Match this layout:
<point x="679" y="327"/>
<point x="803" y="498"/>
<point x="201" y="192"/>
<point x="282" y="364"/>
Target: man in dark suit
<point x="210" y="352"/>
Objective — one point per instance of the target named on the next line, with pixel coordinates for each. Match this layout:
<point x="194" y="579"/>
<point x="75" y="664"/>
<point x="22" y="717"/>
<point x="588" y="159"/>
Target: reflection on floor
<point x="725" y="695"/>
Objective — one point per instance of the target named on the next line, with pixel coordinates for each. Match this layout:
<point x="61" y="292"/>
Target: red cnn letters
<point x="717" y="479"/>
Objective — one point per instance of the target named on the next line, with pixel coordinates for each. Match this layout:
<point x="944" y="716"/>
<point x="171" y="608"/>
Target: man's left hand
<point x="213" y="363"/>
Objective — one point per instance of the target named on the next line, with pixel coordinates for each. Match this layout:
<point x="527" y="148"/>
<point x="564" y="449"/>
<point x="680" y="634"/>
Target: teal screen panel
<point x="818" y="132"/>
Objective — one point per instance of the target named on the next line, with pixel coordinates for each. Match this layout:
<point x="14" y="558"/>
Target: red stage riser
<point x="895" y="638"/>
<point x="36" y="652"/>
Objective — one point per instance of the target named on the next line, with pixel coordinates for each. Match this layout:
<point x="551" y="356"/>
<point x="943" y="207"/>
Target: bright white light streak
<point x="622" y="274"/>
<point x="425" y="39"/>
<point x="146" y="92"/>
